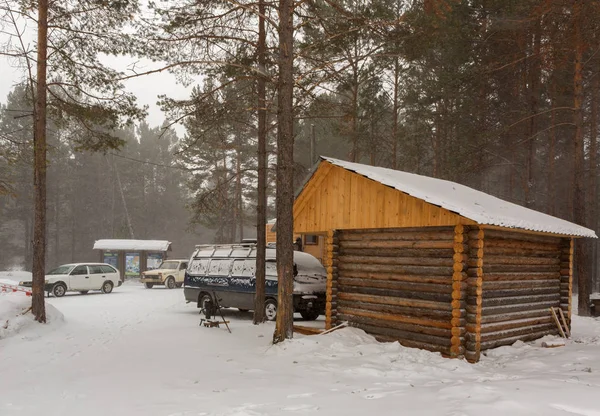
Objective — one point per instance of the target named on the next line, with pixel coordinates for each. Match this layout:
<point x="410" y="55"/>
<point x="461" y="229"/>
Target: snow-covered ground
<point x="141" y="352"/>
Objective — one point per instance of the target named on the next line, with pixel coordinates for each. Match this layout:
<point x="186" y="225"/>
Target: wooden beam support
<point x="475" y="294"/>
<point x="328" y="261"/>
<point x="458" y="291"/>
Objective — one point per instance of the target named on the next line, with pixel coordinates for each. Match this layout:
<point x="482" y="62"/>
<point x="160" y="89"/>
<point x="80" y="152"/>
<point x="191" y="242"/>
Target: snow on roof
<point x="141" y="245"/>
<point x="467" y="202"/>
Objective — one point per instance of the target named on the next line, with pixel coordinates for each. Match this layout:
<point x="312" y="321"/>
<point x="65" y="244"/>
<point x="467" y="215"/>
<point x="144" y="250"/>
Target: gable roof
<point x="467" y="202"/>
<point x="141" y="245"/>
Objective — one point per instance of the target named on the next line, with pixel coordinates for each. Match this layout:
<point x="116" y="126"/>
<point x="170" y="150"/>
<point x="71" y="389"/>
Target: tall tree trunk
<point x="127" y="216"/>
<point x="28" y="240"/>
<point x="285" y="174"/>
<point x="38" y="307"/>
<point x="354" y="126"/>
<point x="552" y="152"/>
<point x="395" y="114"/>
<point x="593" y="176"/>
<point x="57" y="224"/>
<point x="240" y="200"/>
<point x="581" y="251"/>
<point x="534" y="100"/>
<point x="261" y="205"/>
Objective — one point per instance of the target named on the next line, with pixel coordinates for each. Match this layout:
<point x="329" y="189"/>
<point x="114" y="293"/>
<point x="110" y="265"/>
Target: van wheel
<point x="206" y="305"/>
<point x="270" y="309"/>
<point x="59" y="289"/>
<point x="310" y="314"/>
<point x="107" y="287"/>
<point x="170" y="283"/>
<point x="149" y="285"/>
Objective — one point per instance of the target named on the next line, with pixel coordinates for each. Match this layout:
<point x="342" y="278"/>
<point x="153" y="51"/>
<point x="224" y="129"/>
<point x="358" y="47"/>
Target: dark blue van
<point x="228" y="270"/>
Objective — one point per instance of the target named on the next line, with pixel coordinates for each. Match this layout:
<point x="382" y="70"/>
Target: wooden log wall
<point x="331" y="262"/>
<point x="475" y="239"/>
<point x="514" y="278"/>
<point x="402" y="285"/>
<point x="566" y="277"/>
<point x="459" y="292"/>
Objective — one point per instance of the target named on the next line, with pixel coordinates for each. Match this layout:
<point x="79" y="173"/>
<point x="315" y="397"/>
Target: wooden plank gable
<point x="336" y="198"/>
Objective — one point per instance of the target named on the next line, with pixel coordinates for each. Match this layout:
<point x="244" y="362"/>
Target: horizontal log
<point x="512" y="324"/>
<point x="490" y="242"/>
<point x="395" y="261"/>
<point x="440" y="315"/>
<point x="397" y="285"/>
<point x="472" y="356"/>
<point x="442" y="280"/>
<point x="509" y="341"/>
<point x="445" y="351"/>
<point x="521" y="252"/>
<point x="415" y="329"/>
<point x="397" y="252"/>
<point x="407" y="294"/>
<point x="485" y="302"/>
<point x="518" y="307"/>
<point x="515" y="275"/>
<point x="406" y="270"/>
<point x="421" y="234"/>
<point x="504" y="293"/>
<point x="343" y="233"/>
<point x="507" y="235"/>
<point x="503" y="317"/>
<point x="404" y="336"/>
<point x="514" y="284"/>
<point x="392" y="300"/>
<point x="516" y="260"/>
<point x="517" y="332"/>
<point x="518" y="268"/>
<point x="397" y="244"/>
<point x="384" y="268"/>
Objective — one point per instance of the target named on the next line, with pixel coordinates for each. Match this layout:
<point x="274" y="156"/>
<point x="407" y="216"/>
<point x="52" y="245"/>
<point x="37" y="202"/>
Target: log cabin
<point x="435" y="264"/>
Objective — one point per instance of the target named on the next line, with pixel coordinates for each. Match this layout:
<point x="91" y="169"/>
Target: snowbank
<point x="16" y="317"/>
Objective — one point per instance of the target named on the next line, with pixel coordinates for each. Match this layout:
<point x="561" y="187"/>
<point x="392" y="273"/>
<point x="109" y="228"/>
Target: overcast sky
<point x="146" y="87"/>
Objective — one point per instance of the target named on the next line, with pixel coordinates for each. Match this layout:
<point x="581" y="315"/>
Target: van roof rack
<point x="229" y="248"/>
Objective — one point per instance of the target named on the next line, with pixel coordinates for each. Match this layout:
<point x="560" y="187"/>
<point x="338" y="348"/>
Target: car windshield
<point x="169" y="265"/>
<point x="64" y="269"/>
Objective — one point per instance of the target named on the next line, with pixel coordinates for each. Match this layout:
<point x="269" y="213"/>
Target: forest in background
<point x="498" y="95"/>
<point x="139" y="192"/>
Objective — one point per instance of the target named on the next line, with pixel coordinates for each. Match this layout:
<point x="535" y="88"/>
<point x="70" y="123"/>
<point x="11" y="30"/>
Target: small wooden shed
<point x="434" y="264"/>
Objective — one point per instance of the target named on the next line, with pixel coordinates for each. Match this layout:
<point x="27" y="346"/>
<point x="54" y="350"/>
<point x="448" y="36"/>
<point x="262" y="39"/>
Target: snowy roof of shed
<point x="467" y="202"/>
<point x="138" y="245"/>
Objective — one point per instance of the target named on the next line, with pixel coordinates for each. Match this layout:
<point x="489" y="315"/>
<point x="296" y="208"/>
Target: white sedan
<point x="80" y="277"/>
